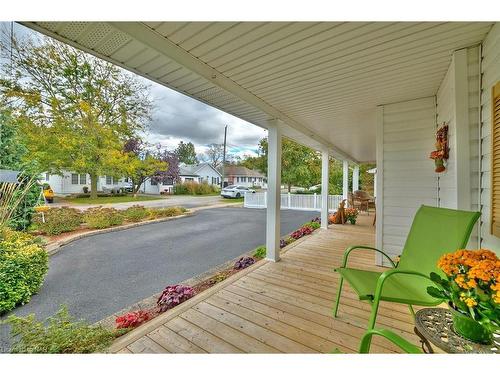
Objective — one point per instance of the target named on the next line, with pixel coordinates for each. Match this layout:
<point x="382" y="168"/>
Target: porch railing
<point x="307" y="202"/>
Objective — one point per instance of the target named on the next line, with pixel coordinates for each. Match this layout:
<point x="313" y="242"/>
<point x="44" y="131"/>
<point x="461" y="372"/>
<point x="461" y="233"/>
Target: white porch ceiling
<point x="323" y="80"/>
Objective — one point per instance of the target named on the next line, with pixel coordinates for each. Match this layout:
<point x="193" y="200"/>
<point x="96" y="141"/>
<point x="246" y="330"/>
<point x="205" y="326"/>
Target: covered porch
<point x="274" y="307"/>
<point x="358" y="92"/>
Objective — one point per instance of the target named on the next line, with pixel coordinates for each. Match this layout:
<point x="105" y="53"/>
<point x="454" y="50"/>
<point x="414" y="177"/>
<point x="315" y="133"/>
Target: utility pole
<point x="224" y="158"/>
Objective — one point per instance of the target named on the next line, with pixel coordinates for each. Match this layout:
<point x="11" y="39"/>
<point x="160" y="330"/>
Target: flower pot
<point x="469" y="328"/>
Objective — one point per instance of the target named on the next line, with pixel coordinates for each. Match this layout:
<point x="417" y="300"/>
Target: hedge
<point x="23" y="265"/>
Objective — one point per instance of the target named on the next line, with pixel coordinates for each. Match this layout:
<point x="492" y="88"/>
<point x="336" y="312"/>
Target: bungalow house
<point x="199" y="173"/>
<point x="73" y="183"/>
<point x="236" y="175"/>
<point x="355" y="91"/>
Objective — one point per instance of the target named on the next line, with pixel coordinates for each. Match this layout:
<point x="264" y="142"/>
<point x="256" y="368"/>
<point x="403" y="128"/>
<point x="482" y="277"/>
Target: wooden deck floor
<point x="277" y="307"/>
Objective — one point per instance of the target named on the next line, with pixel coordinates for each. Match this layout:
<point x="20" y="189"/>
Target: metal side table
<point x="435" y="326"/>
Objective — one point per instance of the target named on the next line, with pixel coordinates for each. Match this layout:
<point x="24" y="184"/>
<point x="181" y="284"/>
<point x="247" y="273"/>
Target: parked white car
<point x="235" y="191"/>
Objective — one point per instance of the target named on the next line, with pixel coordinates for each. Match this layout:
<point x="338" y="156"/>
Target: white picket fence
<point x="308" y="202"/>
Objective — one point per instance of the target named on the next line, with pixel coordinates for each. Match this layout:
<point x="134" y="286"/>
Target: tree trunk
<point x="289" y="188"/>
<point x="93" y="186"/>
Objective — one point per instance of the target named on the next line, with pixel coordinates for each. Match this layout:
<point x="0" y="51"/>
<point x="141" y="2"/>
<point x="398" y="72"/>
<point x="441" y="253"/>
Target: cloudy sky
<point x="177" y="117"/>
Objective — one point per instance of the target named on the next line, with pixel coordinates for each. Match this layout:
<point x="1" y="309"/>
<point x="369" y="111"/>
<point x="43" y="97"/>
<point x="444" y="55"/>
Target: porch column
<point x="345" y="179"/>
<point x="273" y="192"/>
<point x="324" y="188"/>
<point x="355" y="178"/>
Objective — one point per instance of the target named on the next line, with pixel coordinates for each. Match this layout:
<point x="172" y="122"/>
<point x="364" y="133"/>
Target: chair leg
<point x="412" y="311"/>
<point x="336" y="308"/>
<point x="373" y="315"/>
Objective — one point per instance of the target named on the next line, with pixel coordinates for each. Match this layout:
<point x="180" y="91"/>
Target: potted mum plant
<point x="472" y="289"/>
<point x="351" y="214"/>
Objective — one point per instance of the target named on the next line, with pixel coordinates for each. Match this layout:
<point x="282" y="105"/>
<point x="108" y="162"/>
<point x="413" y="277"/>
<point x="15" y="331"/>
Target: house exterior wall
<point x="458" y="105"/>
<point x="490" y="74"/>
<point x="405" y="137"/>
<point x="62" y="184"/>
<point x="245" y="181"/>
<point x="209" y="175"/>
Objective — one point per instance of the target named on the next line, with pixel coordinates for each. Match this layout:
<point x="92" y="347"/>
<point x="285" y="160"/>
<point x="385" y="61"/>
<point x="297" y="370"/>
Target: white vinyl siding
<point x="490" y="70"/>
<point x="408" y="178"/>
<point x="445" y="105"/>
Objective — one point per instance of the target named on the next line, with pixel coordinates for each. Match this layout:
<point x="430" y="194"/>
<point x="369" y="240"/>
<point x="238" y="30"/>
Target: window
<point x="167" y="181"/>
<point x="83" y="179"/>
<point x="47" y="176"/>
<point x="74" y="179"/>
<point x="495" y="160"/>
<point x="154" y="182"/>
<point x="110" y="180"/>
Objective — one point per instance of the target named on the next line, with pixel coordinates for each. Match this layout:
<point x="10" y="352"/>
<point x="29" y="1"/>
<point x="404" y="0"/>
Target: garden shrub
<point x="57" y="221"/>
<point x="133" y="319"/>
<point x="194" y="188"/>
<point x="260" y="252"/>
<point x="136" y="213"/>
<point x="155" y="213"/>
<point x="61" y="334"/>
<point x="313" y="225"/>
<point x="23" y="265"/>
<point x="173" y="295"/>
<point x="243" y="262"/>
<point x="301" y="232"/>
<point x="100" y="218"/>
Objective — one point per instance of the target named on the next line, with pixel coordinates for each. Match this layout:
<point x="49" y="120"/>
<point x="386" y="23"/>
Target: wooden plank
<point x="243" y="341"/>
<point x="200" y="337"/>
<point x="173" y="342"/>
<point x="146" y="345"/>
<point x="262" y="334"/>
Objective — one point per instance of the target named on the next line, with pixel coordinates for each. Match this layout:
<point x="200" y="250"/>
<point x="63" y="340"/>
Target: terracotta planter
<point x="469" y="328"/>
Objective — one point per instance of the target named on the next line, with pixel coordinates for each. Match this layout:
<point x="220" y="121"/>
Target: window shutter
<point x="495" y="160"/>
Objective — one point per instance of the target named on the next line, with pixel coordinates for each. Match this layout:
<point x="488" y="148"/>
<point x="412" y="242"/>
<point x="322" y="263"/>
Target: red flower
<point x="132" y="319"/>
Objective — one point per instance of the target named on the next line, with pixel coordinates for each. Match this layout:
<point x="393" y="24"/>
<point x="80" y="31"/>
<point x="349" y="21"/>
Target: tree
<point x="141" y="165"/>
<point x="13" y="155"/>
<point x="186" y="153"/>
<point x="172" y="172"/>
<point x="300" y="165"/>
<point x="214" y="154"/>
<point x="78" y="110"/>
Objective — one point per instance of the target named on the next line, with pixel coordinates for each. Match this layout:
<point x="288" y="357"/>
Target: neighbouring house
<point x="203" y="172"/>
<point x="199" y="173"/>
<point x="73" y="183"/>
<point x="236" y="175"/>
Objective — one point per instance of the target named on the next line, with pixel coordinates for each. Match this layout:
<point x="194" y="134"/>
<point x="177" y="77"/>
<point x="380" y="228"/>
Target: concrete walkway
<point x="187" y="201"/>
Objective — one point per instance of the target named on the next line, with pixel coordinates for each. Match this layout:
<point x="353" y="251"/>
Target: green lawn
<point x="104" y="200"/>
<point x="232" y="200"/>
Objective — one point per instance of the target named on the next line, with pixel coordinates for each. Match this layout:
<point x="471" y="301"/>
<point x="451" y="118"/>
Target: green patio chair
<point x="366" y="340"/>
<point x="434" y="232"/>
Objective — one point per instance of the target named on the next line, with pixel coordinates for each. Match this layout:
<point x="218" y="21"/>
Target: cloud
<point x="178" y="117"/>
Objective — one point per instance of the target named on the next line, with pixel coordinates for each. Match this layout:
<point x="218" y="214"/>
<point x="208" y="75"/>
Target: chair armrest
<point x="384" y="276"/>
<point x="349" y="249"/>
<point x="408" y="347"/>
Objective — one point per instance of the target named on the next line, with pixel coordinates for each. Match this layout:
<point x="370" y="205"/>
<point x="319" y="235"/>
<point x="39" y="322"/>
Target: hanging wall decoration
<point x="441" y="154"/>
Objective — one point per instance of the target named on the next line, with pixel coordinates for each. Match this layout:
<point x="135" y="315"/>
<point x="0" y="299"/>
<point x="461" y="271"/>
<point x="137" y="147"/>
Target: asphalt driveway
<point x="99" y="275"/>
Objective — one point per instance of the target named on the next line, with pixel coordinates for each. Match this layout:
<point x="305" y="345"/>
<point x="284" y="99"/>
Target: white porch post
<point x="345" y="179"/>
<point x="273" y="192"/>
<point x="355" y="178"/>
<point x="324" y="188"/>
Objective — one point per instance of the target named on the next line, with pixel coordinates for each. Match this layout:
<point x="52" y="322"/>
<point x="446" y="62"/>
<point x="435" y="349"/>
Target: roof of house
<point x="235" y="170"/>
<point x="192" y="169"/>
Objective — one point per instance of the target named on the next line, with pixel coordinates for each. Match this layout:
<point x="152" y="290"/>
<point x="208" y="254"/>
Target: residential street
<point x="99" y="275"/>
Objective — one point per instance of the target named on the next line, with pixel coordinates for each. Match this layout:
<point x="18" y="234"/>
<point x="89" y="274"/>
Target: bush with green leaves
<point x="136" y="213"/>
<point x="260" y="252"/>
<point x="61" y="334"/>
<point x="312" y="224"/>
<point x="23" y="265"/>
<point x="57" y="220"/>
<point x="156" y="213"/>
<point x="195" y="188"/>
<point x="100" y="217"/>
